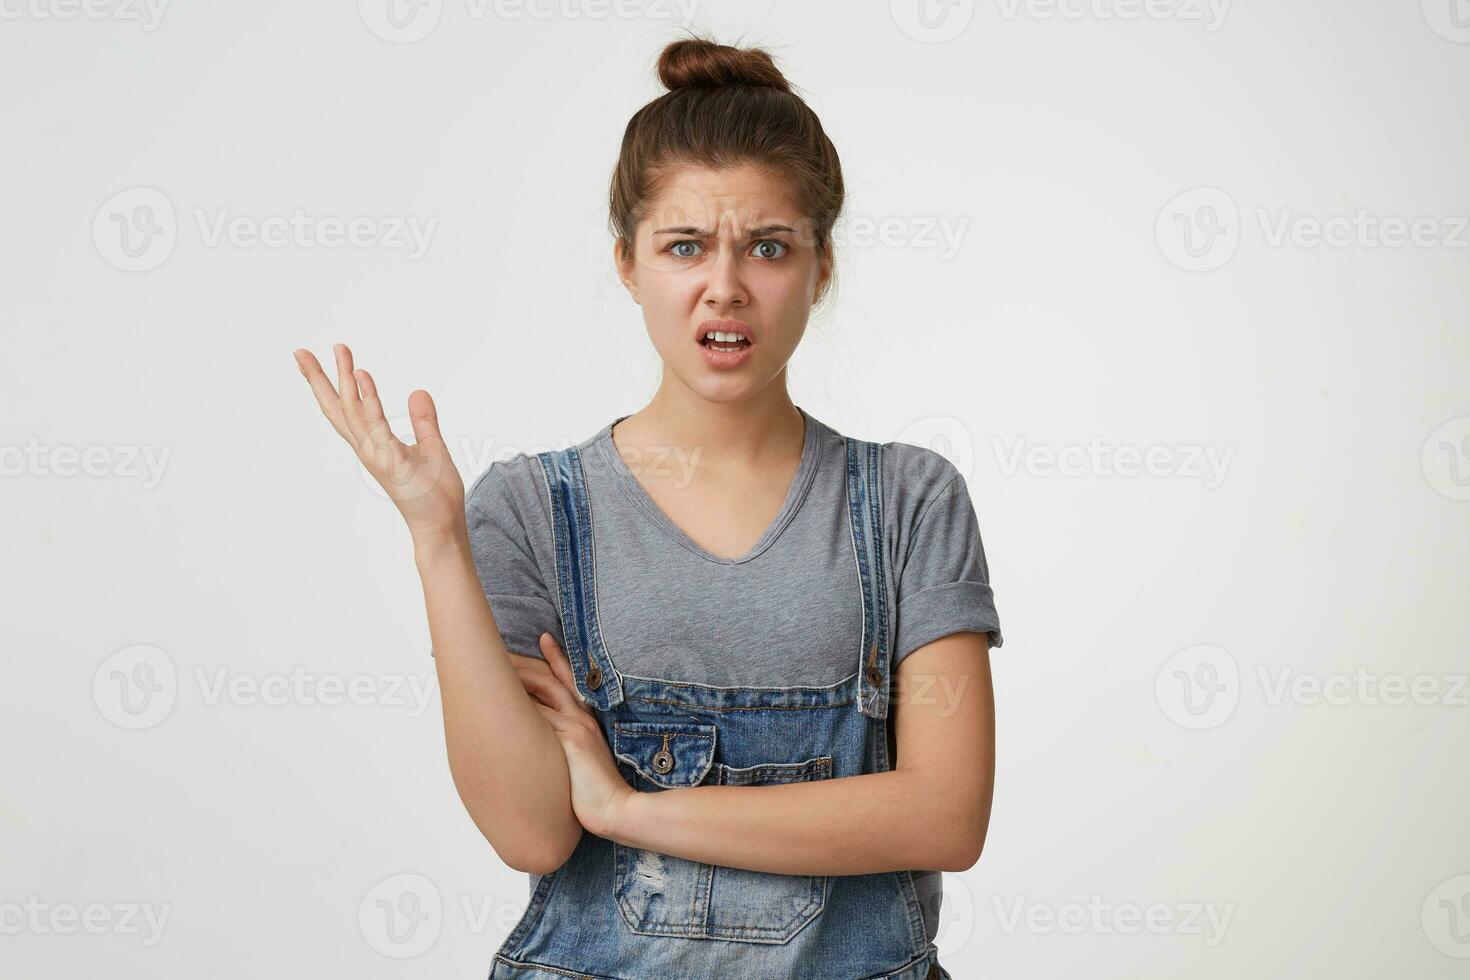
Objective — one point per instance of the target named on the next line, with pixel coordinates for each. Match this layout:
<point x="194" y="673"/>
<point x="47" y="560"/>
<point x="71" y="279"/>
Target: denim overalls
<point x="621" y="913"/>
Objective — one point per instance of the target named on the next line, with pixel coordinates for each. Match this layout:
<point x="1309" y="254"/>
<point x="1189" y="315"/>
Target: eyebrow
<point x="703" y="233"/>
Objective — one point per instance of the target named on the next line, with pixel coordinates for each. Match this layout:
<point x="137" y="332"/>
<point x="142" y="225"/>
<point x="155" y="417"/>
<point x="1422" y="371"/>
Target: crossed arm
<point x="930" y="812"/>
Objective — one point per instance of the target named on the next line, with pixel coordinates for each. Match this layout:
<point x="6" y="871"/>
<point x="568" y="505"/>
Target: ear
<point x="824" y="278"/>
<point x="624" y="266"/>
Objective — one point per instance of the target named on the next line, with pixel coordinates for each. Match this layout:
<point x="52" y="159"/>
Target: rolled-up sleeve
<point x="505" y="560"/>
<point x="944" y="586"/>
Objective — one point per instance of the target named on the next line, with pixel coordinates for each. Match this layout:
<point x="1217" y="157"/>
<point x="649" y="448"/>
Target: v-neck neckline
<point x="810" y="454"/>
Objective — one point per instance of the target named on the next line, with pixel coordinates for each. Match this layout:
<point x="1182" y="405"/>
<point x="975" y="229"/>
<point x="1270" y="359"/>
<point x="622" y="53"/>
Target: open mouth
<point x="724" y="343"/>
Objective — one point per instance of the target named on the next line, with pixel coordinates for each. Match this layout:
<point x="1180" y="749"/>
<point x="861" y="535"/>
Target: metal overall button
<point x="594" y="677"/>
<point x="663" y="760"/>
<point x="659" y="894"/>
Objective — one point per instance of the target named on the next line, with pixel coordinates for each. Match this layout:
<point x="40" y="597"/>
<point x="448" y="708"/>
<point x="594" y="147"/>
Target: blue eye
<point x="673" y="248"/>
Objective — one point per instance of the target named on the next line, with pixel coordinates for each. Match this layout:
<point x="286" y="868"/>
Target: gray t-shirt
<point x="786" y="613"/>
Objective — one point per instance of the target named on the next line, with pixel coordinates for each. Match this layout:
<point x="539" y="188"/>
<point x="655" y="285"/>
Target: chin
<point x="721" y="390"/>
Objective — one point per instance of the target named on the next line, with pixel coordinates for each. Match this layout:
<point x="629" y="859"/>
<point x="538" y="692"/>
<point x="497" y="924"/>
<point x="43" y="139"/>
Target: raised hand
<point x="421" y="479"/>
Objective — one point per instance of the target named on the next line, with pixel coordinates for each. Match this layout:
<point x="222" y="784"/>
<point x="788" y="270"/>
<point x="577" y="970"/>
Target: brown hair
<point x="726" y="106"/>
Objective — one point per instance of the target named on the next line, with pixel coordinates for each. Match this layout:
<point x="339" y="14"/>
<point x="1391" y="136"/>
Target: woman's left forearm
<point x="901" y="819"/>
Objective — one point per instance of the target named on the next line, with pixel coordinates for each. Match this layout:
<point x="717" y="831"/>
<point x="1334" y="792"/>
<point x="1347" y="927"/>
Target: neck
<point x="729" y="433"/>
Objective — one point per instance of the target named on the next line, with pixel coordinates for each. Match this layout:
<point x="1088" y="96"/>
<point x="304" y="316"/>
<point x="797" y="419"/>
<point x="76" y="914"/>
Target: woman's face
<point x="724" y="250"/>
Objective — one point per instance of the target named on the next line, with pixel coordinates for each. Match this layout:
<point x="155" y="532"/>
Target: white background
<point x="1151" y="768"/>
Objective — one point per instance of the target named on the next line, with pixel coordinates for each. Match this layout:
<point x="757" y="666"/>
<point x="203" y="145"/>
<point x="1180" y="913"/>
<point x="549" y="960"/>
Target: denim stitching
<point x="855" y="522"/>
<point x="566" y="571"/>
<point x="880" y="587"/>
<point x="611" y="691"/>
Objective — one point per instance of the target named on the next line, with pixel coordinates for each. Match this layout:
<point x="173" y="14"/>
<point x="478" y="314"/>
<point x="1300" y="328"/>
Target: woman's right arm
<point x="506" y="762"/>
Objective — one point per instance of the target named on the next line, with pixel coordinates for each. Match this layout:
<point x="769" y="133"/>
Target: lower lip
<point x="725" y="360"/>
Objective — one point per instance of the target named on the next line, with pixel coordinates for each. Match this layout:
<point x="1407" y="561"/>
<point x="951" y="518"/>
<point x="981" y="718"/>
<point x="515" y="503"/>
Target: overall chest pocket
<point x="662" y="895"/>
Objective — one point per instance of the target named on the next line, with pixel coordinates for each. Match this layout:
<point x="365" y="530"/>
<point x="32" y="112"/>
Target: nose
<point x="725" y="287"/>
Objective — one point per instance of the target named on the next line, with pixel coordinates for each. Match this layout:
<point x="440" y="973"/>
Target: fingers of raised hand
<point x="372" y="407"/>
<point x="326" y="395"/>
<point x="347" y="389"/>
<point x="356" y="412"/>
<point x="423" y="416"/>
<point x="375" y="424"/>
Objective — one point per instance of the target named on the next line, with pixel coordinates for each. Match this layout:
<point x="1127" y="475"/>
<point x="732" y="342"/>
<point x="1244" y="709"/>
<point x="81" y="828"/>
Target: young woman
<point x="717" y="677"/>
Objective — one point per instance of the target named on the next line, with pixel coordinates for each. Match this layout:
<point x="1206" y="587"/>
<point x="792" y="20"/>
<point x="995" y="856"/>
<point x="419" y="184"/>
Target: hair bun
<point x="701" y="63"/>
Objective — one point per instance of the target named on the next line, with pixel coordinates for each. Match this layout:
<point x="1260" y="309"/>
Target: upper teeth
<point x="724" y="338"/>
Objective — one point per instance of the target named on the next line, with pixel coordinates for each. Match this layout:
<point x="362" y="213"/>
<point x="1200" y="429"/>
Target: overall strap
<point x="865" y="518"/>
<point x="576" y="573"/>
